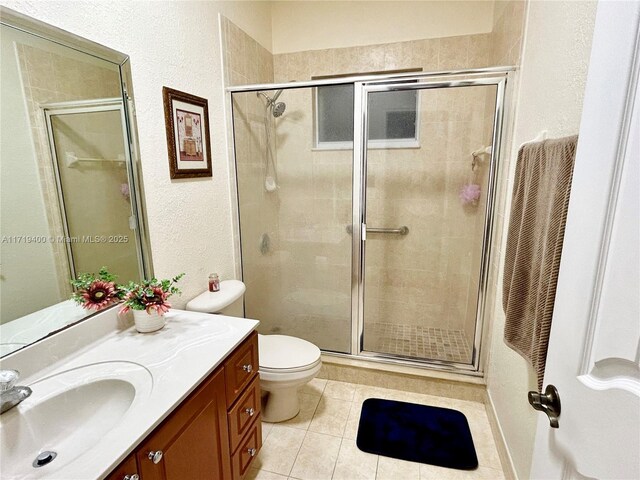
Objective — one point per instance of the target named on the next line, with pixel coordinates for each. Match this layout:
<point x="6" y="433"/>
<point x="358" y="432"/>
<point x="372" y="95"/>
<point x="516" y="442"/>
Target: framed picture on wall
<point x="187" y="122"/>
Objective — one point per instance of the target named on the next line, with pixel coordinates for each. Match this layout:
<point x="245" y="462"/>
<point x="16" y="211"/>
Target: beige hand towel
<point x="534" y="245"/>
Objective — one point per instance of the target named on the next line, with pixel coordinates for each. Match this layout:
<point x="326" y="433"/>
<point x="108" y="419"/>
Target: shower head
<point x="278" y="108"/>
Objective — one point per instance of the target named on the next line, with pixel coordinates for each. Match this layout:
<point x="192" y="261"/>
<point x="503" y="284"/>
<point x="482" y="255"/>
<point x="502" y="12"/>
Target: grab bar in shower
<point x="403" y="230"/>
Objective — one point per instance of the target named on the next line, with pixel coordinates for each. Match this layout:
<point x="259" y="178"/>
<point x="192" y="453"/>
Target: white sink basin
<point x="69" y="413"/>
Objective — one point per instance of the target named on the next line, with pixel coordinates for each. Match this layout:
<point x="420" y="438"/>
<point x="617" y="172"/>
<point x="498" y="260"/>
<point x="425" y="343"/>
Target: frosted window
<point x="335" y="113"/>
<point x="392" y="115"/>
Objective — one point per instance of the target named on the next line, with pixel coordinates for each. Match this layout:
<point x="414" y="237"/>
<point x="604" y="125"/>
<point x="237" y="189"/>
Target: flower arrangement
<point x="100" y="291"/>
<point x="95" y="292"/>
<point x="150" y="295"/>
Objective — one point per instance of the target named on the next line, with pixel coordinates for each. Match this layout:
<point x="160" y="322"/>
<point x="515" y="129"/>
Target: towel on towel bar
<point x="534" y="245"/>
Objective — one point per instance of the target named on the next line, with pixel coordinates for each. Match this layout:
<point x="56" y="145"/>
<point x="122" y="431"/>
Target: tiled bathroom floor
<point x="417" y="341"/>
<point x="320" y="443"/>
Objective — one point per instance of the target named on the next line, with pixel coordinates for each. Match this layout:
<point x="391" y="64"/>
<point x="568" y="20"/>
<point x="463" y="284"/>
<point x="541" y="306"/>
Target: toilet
<point x="286" y="363"/>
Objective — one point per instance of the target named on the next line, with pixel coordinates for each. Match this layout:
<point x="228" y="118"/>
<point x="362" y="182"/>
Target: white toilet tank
<point x="228" y="301"/>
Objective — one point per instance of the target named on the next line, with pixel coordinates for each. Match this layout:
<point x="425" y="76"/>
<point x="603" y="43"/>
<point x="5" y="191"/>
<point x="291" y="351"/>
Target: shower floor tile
<point x="295" y="450"/>
<point x="418" y="342"/>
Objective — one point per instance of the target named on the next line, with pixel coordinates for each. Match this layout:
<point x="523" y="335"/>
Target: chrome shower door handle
<point x="402" y="230"/>
<point x="547" y="402"/>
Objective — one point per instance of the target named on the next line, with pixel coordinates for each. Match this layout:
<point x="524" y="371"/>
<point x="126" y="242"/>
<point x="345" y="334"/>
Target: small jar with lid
<point x="214" y="282"/>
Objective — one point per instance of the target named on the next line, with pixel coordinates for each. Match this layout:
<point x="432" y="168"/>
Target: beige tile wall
<point x="247" y="62"/>
<point x="508" y="28"/>
<point x="47" y="78"/>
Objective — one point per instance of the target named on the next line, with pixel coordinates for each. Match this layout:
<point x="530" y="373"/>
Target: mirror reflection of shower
<point x="273" y="109"/>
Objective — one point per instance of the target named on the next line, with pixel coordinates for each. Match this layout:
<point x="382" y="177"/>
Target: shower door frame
<point x="360" y="150"/>
<point x="114" y="104"/>
<point x="363" y="84"/>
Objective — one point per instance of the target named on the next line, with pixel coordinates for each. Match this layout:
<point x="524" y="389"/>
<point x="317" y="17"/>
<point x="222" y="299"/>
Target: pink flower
<point x="99" y="295"/>
<point x="157" y="301"/>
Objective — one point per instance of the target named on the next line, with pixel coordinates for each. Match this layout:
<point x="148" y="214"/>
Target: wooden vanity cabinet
<point x="212" y="434"/>
<point x="127" y="470"/>
<point x="193" y="441"/>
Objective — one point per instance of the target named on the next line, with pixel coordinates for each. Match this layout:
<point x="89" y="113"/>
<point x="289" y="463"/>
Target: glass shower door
<point x="88" y="148"/>
<point x="425" y="214"/>
<point x="294" y="176"/>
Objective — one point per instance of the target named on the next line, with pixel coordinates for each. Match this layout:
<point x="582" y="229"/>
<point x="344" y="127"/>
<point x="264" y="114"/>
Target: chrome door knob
<point x="547" y="402"/>
<point x="155" y="457"/>
<point x="252" y="452"/>
<point x="250" y="411"/>
<point x="248" y="368"/>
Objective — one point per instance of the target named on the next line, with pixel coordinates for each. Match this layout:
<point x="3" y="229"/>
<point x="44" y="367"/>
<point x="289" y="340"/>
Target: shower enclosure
<point x="365" y="211"/>
<point x="87" y="140"/>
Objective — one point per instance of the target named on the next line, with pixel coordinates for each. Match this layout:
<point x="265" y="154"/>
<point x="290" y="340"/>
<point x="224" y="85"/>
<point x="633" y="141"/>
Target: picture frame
<point x="186" y="119"/>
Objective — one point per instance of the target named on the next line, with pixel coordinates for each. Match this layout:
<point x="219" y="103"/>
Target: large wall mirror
<point x="70" y="194"/>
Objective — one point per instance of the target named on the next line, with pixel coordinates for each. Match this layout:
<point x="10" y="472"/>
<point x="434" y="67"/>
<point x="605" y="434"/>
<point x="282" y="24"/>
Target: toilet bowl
<point x="286" y="363"/>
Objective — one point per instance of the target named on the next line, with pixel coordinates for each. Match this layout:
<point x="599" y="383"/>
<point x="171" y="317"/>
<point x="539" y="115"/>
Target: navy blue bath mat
<point x="418" y="433"/>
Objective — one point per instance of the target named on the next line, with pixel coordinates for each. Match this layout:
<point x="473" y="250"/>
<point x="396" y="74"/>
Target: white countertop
<point x="23" y="331"/>
<point x="178" y="358"/>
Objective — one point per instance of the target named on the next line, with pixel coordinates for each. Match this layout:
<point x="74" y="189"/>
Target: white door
<point x="594" y="351"/>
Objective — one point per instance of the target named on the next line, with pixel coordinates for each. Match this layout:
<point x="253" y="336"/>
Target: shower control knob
<point x="248" y="368"/>
<point x="250" y="411"/>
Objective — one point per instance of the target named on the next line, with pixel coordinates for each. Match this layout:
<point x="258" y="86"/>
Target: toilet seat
<point x="281" y="354"/>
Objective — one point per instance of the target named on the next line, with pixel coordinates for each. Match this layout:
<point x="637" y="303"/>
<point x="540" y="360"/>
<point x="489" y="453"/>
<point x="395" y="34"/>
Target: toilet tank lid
<point x="214" y="302"/>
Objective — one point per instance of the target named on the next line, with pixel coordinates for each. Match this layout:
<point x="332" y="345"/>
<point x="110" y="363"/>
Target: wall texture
<point x="555" y="58"/>
<point x="349" y="24"/>
<point x="189" y="220"/>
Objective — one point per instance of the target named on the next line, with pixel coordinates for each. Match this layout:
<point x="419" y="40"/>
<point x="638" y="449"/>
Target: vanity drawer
<point x="241" y="368"/>
<point x="127" y="469"/>
<point x="242" y="414"/>
<point x="247" y="451"/>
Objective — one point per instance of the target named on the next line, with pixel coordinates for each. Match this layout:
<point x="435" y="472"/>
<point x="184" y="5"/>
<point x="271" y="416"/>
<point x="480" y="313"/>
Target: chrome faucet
<point x="11" y="395"/>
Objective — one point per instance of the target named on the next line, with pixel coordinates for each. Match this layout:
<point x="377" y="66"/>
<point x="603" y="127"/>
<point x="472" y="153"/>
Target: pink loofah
<point x="469" y="193"/>
<point x="124" y="190"/>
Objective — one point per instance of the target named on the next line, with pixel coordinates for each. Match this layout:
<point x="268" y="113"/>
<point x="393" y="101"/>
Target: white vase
<point x="148" y="322"/>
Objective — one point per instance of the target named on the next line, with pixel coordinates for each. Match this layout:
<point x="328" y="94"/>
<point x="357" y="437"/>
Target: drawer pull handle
<point x="250" y="411"/>
<point x="252" y="452"/>
<point x="248" y="368"/>
<point x="135" y="476"/>
<point x="155" y="457"/>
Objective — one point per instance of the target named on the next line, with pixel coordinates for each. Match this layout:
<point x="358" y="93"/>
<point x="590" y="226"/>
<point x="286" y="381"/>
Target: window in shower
<point x="393" y="118"/>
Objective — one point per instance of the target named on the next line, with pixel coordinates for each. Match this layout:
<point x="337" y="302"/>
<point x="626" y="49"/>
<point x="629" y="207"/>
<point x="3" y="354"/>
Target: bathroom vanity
<point x="182" y="402"/>
<point x="214" y="433"/>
